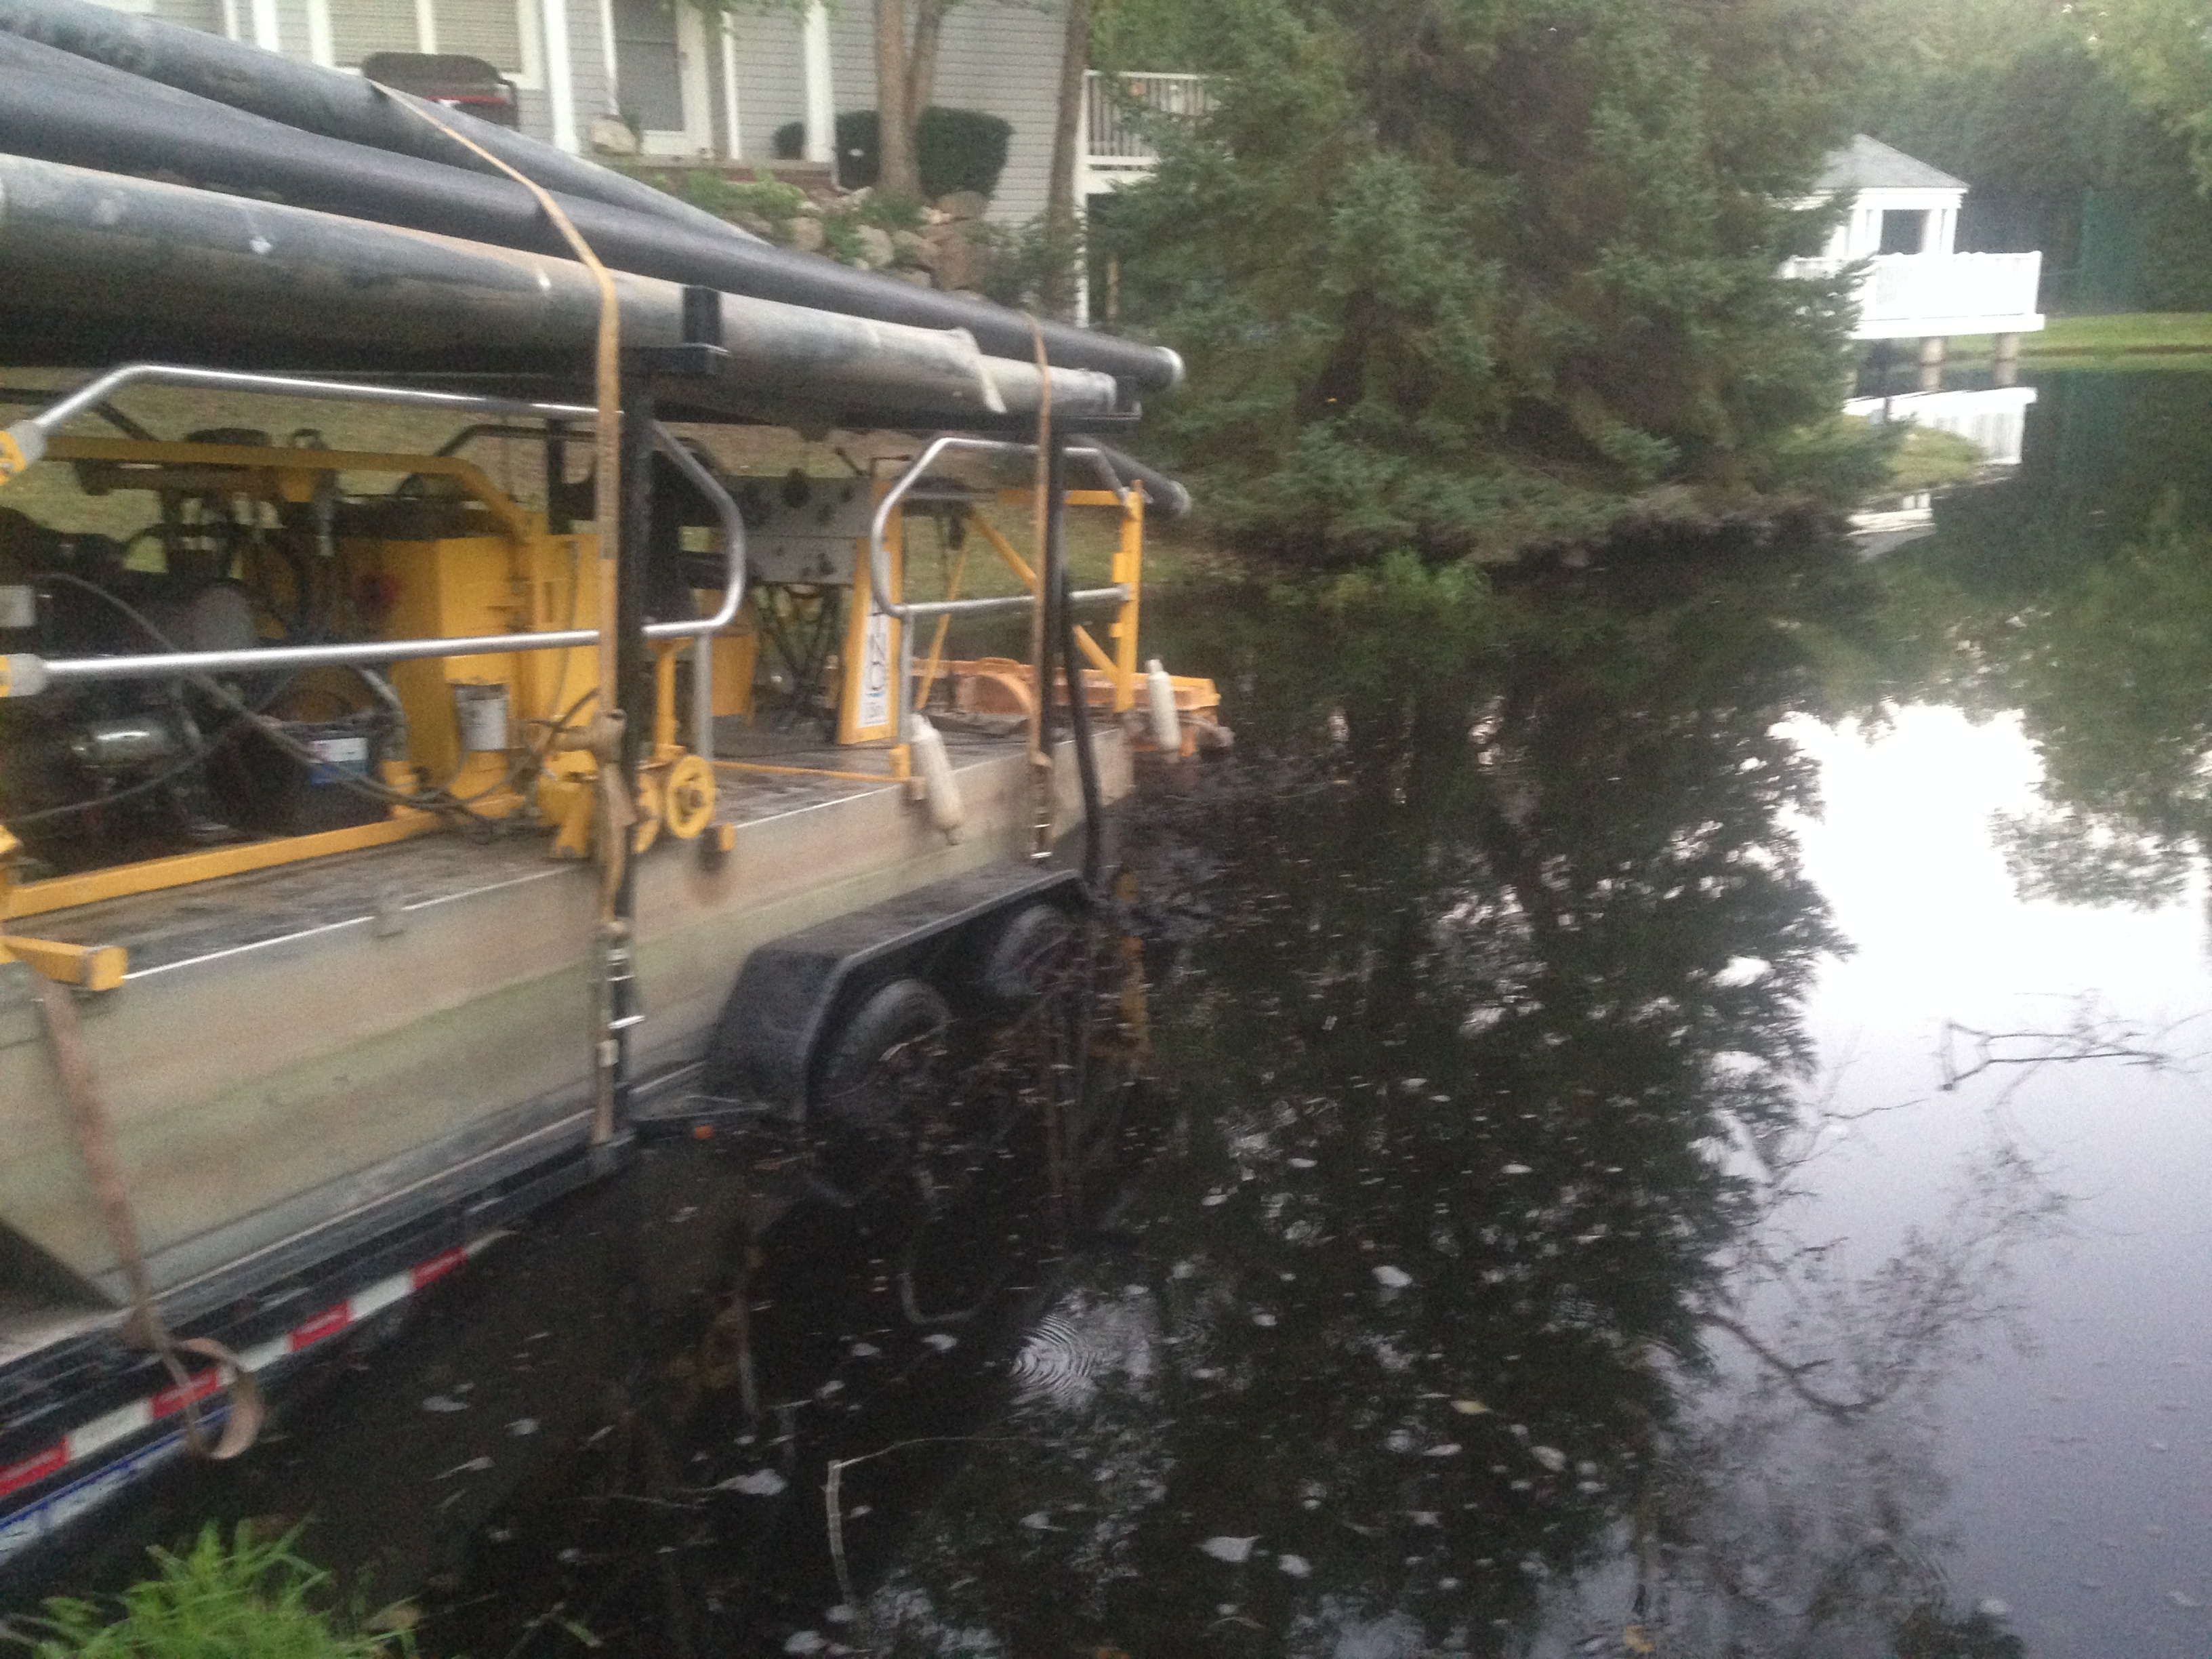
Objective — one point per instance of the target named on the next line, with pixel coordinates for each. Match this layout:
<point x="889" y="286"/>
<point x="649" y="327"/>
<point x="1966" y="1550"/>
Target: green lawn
<point x="2150" y="333"/>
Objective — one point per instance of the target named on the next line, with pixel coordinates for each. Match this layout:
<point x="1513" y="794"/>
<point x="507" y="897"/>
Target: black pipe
<point x="57" y="107"/>
<point x="325" y="102"/>
<point x="1165" y="494"/>
<point x="101" y="268"/>
<point x="1054" y="586"/>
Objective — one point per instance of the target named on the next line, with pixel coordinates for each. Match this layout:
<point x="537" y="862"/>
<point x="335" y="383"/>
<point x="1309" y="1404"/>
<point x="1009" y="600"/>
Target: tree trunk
<point x="921" y="62"/>
<point x="1059" y="289"/>
<point x="900" y="173"/>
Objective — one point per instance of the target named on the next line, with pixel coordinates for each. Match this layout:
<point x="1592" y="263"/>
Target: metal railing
<point x="879" y="563"/>
<point x="1903" y="294"/>
<point x="1118" y="119"/>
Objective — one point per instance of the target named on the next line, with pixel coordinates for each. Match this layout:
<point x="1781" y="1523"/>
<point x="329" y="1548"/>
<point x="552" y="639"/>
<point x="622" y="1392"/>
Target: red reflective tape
<point x="436" y="1267"/>
<point x="16" y="1475"/>
<point x="329" y="1322"/>
<point x="169" y="1401"/>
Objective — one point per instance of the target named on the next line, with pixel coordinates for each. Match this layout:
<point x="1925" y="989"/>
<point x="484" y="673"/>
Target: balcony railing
<point x="1119" y="120"/>
<point x="1906" y="294"/>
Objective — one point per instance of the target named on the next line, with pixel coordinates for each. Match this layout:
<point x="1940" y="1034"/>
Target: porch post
<point x="560" y="75"/>
<point x="733" y="144"/>
<point x="607" y="51"/>
<point x="266" y="35"/>
<point x="821" y="100"/>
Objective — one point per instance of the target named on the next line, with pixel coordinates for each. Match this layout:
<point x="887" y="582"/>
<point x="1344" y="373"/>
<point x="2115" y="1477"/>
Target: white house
<point x="1903" y="223"/>
<point x="696" y="86"/>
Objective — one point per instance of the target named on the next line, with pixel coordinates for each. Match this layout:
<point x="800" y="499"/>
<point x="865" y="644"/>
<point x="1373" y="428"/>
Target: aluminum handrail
<point x="733" y="588"/>
<point x="879" y="560"/>
<point x="28" y="436"/>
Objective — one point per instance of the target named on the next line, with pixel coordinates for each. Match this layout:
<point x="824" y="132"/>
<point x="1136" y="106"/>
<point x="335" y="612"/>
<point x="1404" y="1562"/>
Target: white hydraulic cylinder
<point x="942" y="790"/>
<point x="1159" y="692"/>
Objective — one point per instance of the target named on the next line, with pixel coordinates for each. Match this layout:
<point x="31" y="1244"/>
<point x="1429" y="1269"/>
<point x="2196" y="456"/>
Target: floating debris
<point x="1235" y="1551"/>
<point x="522" y="1427"/>
<point x="1264" y="1321"/>
<point x="1217" y="1196"/>
<point x="1550" y="1456"/>
<point x="940" y="1341"/>
<point x="1449" y="1449"/>
<point x="761" y="1483"/>
<point x="863" y="1350"/>
<point x="1393" y="1278"/>
<point x="1036" y="1520"/>
<point x="1469" y="1408"/>
<point x="474" y="1466"/>
<point x="441" y="1402"/>
<point x="806" y="1641"/>
<point x="1516" y="1169"/>
<point x="1295" y="1566"/>
<point x="1302" y="1163"/>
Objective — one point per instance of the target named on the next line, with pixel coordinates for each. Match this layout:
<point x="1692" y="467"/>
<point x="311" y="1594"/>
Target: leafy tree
<point x="1459" y="276"/>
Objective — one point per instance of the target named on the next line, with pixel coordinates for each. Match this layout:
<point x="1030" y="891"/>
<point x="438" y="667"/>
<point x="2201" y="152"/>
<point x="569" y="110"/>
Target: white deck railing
<point x="1118" y="121"/>
<point x="1907" y="295"/>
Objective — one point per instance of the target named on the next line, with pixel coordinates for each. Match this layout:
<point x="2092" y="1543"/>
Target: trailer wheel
<point x="1026" y="954"/>
<point x="887" y="1047"/>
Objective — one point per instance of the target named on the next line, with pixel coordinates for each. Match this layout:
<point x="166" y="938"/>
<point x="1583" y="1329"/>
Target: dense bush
<point x="960" y="149"/>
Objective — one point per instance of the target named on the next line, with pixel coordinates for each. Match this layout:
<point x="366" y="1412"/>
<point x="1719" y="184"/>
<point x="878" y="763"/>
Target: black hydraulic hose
<point x="59" y="108"/>
<point x="1086" y="763"/>
<point x="320" y="100"/>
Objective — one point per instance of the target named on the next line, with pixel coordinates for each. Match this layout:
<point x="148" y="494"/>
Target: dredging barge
<point x="379" y="855"/>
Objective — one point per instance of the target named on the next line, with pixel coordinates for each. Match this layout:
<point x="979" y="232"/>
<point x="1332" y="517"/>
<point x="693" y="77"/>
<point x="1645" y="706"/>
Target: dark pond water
<point x="1676" y="1123"/>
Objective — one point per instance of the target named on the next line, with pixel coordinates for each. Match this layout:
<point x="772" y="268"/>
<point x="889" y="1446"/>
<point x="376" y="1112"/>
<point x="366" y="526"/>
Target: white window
<point x="503" y="32"/>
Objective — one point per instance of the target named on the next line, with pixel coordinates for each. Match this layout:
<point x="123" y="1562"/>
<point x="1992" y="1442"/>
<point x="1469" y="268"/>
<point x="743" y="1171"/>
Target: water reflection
<point x="1490" y="1065"/>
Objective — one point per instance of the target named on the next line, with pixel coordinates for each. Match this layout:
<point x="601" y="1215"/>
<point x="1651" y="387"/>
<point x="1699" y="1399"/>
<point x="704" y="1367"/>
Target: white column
<point x="821" y="100"/>
<point x="560" y="74"/>
<point x="319" y="45"/>
<point x="266" y="35"/>
<point x="607" y="47"/>
<point x="230" y="19"/>
<point x="426" y="26"/>
<point x="733" y="139"/>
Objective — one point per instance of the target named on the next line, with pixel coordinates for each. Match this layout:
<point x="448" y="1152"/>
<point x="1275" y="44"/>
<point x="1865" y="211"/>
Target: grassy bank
<point x="2084" y="342"/>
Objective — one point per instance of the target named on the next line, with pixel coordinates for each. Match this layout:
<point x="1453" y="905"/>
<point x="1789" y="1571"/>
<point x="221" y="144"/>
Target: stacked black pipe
<point x="90" y="88"/>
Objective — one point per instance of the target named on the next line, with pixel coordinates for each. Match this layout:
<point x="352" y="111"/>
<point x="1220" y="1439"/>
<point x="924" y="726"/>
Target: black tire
<point x="887" y="1046"/>
<point x="1026" y="955"/>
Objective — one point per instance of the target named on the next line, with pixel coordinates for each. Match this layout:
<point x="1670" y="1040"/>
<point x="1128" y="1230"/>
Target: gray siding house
<point x="696" y="86"/>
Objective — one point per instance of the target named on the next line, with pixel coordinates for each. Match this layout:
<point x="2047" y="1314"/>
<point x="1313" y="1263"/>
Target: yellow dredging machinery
<point x="383" y="849"/>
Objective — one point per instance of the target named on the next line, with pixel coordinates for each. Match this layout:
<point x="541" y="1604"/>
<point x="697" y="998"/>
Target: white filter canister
<point x="480" y="711"/>
<point x="1159" y="693"/>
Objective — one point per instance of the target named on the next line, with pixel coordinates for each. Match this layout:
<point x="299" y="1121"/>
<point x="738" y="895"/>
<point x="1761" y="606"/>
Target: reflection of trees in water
<point x="2078" y="593"/>
<point x="1489" y="1064"/>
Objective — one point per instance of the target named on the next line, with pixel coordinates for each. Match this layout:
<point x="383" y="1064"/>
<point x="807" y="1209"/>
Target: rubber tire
<point x="1022" y="959"/>
<point x="863" y="1076"/>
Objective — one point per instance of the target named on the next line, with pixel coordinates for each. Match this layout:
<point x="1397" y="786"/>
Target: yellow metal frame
<point x="1128" y="573"/>
<point x="283" y="473"/>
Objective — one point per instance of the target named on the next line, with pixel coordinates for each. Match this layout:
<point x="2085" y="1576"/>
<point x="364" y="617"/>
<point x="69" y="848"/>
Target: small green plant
<point x="241" y="1599"/>
<point x="763" y="197"/>
<point x="840" y="237"/>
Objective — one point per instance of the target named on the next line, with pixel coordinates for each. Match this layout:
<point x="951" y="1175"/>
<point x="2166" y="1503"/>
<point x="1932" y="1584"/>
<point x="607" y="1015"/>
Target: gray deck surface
<point x="162" y="930"/>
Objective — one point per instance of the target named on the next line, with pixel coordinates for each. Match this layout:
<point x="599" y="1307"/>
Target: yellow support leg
<point x="88" y="967"/>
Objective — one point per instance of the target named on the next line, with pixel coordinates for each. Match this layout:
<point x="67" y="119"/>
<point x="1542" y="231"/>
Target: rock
<point x="753" y="223"/>
<point x="612" y="136"/>
<point x="918" y="278"/>
<point x="805" y="234"/>
<point x="910" y="248"/>
<point x="964" y="204"/>
<point x="963" y="260"/>
<point x="875" y="247"/>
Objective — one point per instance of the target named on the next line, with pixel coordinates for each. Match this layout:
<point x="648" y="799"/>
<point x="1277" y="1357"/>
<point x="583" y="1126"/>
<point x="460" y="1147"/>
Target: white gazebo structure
<point x="1904" y="227"/>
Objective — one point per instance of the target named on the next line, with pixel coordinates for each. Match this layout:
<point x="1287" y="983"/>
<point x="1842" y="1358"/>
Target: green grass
<point x="1929" y="459"/>
<point x="2159" y="333"/>
<point x="233" y="1600"/>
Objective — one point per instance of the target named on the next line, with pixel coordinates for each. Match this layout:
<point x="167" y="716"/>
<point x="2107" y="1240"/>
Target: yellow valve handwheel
<point x="689" y="798"/>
